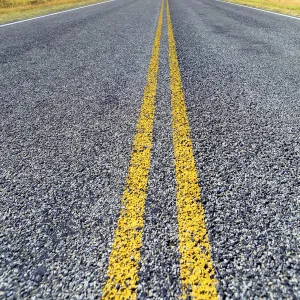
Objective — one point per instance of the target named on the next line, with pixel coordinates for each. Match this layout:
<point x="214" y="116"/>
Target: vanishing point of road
<point x="150" y="149"/>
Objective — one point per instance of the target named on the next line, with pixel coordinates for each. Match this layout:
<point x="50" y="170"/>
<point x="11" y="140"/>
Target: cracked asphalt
<point x="71" y="89"/>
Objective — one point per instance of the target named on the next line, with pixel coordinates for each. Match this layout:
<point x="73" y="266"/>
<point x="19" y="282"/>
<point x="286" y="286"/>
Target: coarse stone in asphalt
<point x="159" y="275"/>
<point x="71" y="91"/>
<point x="242" y="91"/>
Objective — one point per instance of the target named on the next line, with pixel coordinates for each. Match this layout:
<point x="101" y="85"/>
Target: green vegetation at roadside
<point x="13" y="10"/>
<point x="288" y="7"/>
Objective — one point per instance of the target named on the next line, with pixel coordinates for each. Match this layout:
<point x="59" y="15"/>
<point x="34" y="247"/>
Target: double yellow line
<point x="196" y="269"/>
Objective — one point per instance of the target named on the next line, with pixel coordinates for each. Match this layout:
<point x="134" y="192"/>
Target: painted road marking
<point x="53" y="14"/>
<point x="260" y="9"/>
<point x="125" y="254"/>
<point x="196" y="268"/>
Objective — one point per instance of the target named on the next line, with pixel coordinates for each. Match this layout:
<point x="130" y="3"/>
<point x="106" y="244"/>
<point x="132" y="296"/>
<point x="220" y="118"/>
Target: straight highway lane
<point x="240" y="73"/>
<point x="71" y="90"/>
<point x="72" y="86"/>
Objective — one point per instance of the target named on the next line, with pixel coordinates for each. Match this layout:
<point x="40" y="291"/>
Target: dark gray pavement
<point x="241" y="80"/>
<point x="71" y="87"/>
<point x="160" y="271"/>
<point x="71" y="90"/>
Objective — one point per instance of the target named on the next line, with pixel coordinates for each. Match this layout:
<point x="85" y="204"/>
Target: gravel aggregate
<point x="71" y="87"/>
<point x="71" y="90"/>
<point x="242" y="92"/>
<point x="160" y="274"/>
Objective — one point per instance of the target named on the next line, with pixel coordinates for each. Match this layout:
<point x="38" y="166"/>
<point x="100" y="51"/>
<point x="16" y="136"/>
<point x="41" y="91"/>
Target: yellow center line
<point x="125" y="254"/>
<point x="196" y="268"/>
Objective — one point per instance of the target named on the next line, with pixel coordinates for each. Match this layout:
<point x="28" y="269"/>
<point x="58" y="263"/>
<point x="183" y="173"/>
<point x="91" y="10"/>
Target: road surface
<point x="114" y="116"/>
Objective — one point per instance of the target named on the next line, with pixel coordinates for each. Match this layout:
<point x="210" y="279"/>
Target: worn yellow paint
<point x="125" y="254"/>
<point x="196" y="268"/>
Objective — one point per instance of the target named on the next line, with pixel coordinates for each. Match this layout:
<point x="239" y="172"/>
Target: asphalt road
<point x="71" y="90"/>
